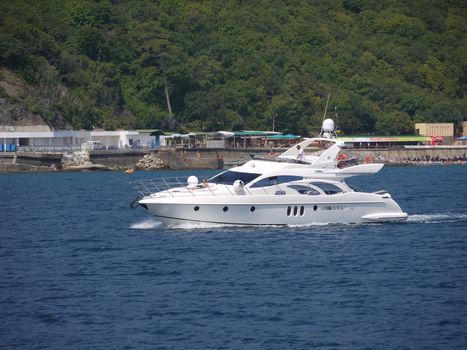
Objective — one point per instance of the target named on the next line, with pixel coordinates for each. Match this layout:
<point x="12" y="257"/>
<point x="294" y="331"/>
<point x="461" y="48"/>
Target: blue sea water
<point x="80" y="270"/>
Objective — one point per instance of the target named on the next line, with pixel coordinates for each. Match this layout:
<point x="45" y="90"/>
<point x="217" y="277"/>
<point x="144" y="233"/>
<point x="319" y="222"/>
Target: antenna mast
<point x="327" y="127"/>
<point x="326" y="109"/>
<point x="337" y="118"/>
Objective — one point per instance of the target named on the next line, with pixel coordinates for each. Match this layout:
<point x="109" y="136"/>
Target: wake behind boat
<point x="282" y="191"/>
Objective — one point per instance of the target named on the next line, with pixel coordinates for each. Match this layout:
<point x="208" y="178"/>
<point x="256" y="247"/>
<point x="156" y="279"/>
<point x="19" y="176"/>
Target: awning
<point x="157" y="132"/>
<point x="173" y="136"/>
<point x="408" y="138"/>
<point x="226" y="134"/>
<point x="255" y="133"/>
<point x="284" y="137"/>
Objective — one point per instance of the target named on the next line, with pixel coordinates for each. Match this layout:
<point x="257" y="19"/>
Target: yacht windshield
<point x="276" y="180"/>
<point x="327" y="187"/>
<point x="228" y="177"/>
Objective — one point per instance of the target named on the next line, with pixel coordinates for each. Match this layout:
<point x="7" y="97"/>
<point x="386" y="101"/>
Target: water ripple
<point x="78" y="270"/>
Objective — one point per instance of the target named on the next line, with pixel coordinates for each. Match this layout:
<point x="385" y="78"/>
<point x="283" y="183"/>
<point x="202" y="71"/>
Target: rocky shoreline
<point x="150" y="162"/>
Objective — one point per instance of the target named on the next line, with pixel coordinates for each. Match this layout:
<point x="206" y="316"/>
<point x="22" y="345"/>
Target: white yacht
<point x="279" y="191"/>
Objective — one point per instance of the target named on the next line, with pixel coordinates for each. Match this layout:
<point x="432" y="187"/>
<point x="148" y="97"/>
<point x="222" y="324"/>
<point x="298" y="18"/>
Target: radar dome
<point x="238" y="186"/>
<point x="328" y="125"/>
<point x="192" y="181"/>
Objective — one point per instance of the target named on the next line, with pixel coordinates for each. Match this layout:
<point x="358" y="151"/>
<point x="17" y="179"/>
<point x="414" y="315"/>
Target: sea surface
<point x="79" y="269"/>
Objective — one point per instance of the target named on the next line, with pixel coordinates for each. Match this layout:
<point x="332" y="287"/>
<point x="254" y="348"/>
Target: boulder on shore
<point x="150" y="162"/>
<point x="80" y="161"/>
<point x="77" y="158"/>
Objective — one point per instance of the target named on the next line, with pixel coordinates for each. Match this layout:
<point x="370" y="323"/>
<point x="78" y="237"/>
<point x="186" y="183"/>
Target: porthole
<point x="225" y="208"/>
<point x="302" y="210"/>
<point x="289" y="210"/>
<point x="196" y="208"/>
<point x="295" y="211"/>
<point x="315" y="207"/>
<point x="252" y="209"/>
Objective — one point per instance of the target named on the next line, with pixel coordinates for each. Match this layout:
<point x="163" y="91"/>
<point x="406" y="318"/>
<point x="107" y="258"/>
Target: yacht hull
<point x="239" y="210"/>
<point x="280" y="191"/>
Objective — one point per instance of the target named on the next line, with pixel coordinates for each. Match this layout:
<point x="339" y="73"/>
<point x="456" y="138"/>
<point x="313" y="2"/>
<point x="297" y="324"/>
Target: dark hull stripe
<point x="216" y="222"/>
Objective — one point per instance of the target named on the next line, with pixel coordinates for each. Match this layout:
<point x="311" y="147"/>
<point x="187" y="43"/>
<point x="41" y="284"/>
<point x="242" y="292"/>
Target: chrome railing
<point x="148" y="187"/>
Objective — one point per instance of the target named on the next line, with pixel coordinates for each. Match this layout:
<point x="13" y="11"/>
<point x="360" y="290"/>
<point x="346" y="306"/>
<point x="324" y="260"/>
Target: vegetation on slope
<point x="211" y="65"/>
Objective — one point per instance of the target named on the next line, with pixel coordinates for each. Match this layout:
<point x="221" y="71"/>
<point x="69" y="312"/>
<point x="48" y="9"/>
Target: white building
<point x="71" y="139"/>
<point x="114" y="139"/>
<point x="10" y="140"/>
<point x="435" y="129"/>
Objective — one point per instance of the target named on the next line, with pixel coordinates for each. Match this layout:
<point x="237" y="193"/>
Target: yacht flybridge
<point x="279" y="191"/>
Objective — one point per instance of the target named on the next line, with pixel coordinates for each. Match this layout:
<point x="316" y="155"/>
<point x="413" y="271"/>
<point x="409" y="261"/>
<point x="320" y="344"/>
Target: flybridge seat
<point x="327" y="155"/>
<point x="283" y="160"/>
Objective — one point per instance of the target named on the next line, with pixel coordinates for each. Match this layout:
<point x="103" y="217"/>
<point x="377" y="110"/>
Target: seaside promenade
<point x="217" y="158"/>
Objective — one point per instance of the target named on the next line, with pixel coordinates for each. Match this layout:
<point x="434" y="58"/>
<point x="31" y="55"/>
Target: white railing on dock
<point x="48" y="149"/>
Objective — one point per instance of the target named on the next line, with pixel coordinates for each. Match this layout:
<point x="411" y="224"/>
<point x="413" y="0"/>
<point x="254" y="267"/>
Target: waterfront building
<point x="444" y="130"/>
<point x="229" y="139"/>
<point x="62" y="140"/>
<point x="382" y="142"/>
<point x="12" y="140"/>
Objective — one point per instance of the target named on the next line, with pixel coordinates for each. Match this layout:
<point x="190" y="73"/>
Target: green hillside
<point x="210" y="65"/>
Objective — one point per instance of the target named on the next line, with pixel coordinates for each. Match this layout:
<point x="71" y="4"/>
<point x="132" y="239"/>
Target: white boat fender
<point x="238" y="187"/>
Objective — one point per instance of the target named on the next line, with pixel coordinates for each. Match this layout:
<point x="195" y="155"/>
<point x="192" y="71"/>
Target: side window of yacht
<point x="327" y="187"/>
<point x="275" y="180"/>
<point x="312" y="192"/>
<point x="304" y="189"/>
<point x="228" y="177"/>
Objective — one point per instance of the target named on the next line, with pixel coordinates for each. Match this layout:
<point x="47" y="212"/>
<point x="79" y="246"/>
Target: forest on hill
<point x="233" y="64"/>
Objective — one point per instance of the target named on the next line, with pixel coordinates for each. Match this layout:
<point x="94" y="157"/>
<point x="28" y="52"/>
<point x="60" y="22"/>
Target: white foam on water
<point x="199" y="225"/>
<point x="436" y="218"/>
<point x="147" y="224"/>
<point x="313" y="224"/>
<point x="206" y="225"/>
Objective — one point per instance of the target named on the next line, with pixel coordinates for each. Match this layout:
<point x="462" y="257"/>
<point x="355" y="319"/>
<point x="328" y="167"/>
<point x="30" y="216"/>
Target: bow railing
<point x="176" y="186"/>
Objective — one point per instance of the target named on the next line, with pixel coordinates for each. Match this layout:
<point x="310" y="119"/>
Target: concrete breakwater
<point x="109" y="160"/>
<point x="171" y="159"/>
<point x="29" y="161"/>
<point x="405" y="155"/>
<point x="211" y="158"/>
<point x="389" y="156"/>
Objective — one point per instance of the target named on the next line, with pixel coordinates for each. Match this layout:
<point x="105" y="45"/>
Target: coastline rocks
<point x="77" y="158"/>
<point x="80" y="161"/>
<point x="150" y="162"/>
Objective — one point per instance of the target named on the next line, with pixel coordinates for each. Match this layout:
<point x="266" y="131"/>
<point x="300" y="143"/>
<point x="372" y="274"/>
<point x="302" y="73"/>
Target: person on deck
<point x="301" y="154"/>
<point x="205" y="183"/>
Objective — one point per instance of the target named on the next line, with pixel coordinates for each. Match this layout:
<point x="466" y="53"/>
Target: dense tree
<point x="210" y="65"/>
<point x="393" y="123"/>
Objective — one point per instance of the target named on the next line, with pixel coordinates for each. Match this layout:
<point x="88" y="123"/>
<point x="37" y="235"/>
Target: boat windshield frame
<point x="274" y="180"/>
<point x="228" y="177"/>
